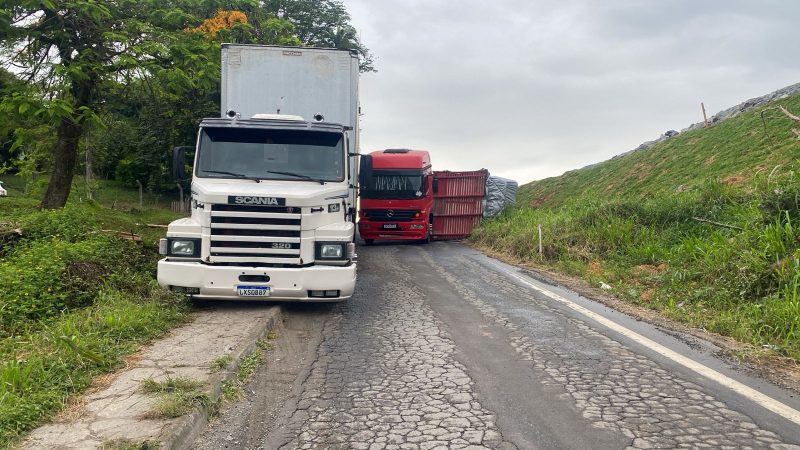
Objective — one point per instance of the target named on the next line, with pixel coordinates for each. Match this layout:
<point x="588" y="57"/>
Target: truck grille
<point x="390" y="215"/>
<point x="243" y="234"/>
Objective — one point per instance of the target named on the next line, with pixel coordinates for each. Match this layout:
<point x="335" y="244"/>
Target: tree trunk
<point x="65" y="154"/>
<point x="65" y="157"/>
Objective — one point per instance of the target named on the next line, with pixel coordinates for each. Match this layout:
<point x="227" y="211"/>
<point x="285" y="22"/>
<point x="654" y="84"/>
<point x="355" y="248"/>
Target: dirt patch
<point x="647" y="295"/>
<point x="594" y="268"/>
<point x="734" y="180"/>
<point x="86" y="270"/>
<point x="647" y="269"/>
<point x="643" y="171"/>
<point x="769" y="365"/>
<point x="538" y="202"/>
<point x="709" y="161"/>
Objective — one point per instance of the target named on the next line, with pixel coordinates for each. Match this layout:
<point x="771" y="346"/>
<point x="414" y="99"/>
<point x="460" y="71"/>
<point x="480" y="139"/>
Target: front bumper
<point x="374" y="230"/>
<point x="286" y="284"/>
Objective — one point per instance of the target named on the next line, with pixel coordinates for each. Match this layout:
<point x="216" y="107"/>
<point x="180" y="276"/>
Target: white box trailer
<point x="259" y="79"/>
<point x="274" y="183"/>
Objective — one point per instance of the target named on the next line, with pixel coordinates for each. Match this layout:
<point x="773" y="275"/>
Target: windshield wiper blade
<point x="298" y="175"/>
<point x="233" y="174"/>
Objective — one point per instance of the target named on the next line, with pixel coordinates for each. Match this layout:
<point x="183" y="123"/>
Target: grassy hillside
<point x="75" y="297"/>
<point x="721" y="253"/>
<point x="733" y="151"/>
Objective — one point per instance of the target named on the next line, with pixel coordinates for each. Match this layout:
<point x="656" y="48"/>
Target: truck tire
<point x="429" y="235"/>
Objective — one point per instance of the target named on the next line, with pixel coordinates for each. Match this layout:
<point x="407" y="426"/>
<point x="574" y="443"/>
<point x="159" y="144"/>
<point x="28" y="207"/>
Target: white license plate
<point x="389" y="226"/>
<point x="252" y="291"/>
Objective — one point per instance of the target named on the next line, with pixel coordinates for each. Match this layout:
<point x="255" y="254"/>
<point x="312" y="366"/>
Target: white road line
<point x="741" y="389"/>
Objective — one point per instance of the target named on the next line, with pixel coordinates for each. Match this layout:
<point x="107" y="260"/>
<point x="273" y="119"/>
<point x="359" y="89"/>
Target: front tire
<point x="429" y="236"/>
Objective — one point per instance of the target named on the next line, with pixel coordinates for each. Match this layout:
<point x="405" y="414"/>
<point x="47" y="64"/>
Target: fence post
<point x="141" y="199"/>
<point x="705" y="117"/>
<point x="541" y="255"/>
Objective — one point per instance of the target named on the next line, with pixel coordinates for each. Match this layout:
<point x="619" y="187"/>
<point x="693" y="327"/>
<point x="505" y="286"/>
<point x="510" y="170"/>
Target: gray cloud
<point x="530" y="89"/>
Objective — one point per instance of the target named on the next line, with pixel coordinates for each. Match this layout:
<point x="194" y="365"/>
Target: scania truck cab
<point x="396" y="203"/>
<point x="273" y="186"/>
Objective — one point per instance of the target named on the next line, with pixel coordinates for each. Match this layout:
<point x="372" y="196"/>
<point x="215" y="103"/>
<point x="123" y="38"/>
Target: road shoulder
<point x="776" y="369"/>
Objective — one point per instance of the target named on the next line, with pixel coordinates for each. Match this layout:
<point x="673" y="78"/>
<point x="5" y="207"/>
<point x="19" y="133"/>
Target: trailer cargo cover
<point x="458" y="203"/>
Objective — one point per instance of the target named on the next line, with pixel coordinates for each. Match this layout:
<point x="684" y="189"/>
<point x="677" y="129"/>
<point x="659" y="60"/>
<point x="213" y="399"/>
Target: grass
<point x="175" y="397"/>
<point x="74" y="299"/>
<point x="221" y="363"/>
<point x="124" y="444"/>
<point x="232" y="389"/>
<point x="721" y="253"/>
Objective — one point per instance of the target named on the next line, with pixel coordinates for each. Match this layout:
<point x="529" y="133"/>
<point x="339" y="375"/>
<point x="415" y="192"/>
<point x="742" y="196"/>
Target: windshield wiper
<point x="233" y="174"/>
<point x="298" y="175"/>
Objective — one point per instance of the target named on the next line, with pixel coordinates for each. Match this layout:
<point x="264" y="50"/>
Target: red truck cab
<point x="396" y="196"/>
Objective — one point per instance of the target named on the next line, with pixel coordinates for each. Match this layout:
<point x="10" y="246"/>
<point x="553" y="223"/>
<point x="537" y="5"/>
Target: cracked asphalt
<point x="441" y="349"/>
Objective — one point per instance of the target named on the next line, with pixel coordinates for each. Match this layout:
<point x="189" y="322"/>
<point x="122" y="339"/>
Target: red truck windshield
<point x="393" y="185"/>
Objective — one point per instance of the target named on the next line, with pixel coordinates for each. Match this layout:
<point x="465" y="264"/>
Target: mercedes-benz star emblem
<point x="390" y="213"/>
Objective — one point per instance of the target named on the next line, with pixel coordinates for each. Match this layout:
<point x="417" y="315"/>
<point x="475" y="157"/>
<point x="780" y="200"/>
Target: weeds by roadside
<point x="221" y="363"/>
<point x="175" y="397"/>
<point x="232" y="389"/>
<point x="123" y="444"/>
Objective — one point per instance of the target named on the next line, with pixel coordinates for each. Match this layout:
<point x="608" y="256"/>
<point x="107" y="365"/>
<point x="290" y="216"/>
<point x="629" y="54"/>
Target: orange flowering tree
<point x="223" y="20"/>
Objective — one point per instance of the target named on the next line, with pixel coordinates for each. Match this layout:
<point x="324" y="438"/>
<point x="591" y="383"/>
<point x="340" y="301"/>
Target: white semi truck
<point x="274" y="185"/>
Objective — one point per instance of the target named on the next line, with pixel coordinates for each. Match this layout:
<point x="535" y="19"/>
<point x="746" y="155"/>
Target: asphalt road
<point x="443" y="347"/>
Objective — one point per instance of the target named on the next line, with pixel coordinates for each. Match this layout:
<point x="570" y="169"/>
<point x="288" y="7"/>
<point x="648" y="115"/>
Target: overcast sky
<point x="532" y="88"/>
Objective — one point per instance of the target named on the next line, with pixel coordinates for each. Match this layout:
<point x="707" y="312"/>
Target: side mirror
<point x="435" y="185"/>
<point x="179" y="163"/>
<point x="364" y="170"/>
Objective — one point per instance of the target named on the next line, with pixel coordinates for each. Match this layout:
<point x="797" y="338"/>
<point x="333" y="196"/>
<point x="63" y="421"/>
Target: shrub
<point x="47" y="277"/>
<point x="70" y="224"/>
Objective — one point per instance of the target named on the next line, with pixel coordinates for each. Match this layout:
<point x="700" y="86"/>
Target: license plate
<point x="252" y="291"/>
<point x="390" y="226"/>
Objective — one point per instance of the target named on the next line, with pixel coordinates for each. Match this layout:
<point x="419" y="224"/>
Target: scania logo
<point x="258" y="201"/>
<point x="390" y="213"/>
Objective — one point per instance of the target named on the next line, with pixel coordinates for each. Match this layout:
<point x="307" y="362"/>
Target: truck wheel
<point x="369" y="241"/>
<point x="429" y="236"/>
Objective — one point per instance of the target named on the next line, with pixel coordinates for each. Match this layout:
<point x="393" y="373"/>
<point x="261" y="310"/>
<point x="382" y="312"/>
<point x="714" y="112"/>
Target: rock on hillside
<point x="722" y="115"/>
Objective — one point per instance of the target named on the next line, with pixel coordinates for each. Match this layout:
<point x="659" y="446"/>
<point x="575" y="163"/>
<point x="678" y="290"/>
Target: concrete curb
<point x="183" y="434"/>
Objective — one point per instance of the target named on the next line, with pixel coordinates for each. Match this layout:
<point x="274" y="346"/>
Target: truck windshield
<point x="262" y="154"/>
<point x="393" y="185"/>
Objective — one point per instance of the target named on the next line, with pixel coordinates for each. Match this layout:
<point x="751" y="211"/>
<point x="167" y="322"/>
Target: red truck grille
<point x="390" y="215"/>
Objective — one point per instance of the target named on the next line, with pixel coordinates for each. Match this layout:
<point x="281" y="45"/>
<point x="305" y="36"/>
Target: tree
<point x="68" y="48"/>
<point x="150" y="67"/>
<point x="322" y="23"/>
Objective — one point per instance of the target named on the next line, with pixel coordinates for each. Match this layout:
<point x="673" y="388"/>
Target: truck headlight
<point x="184" y="247"/>
<point x="330" y="250"/>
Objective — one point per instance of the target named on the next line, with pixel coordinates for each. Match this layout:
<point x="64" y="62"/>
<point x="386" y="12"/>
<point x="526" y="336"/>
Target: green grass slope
<point x="733" y="151"/>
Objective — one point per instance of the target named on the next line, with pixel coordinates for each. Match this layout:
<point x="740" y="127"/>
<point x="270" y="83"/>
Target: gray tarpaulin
<point x="500" y="193"/>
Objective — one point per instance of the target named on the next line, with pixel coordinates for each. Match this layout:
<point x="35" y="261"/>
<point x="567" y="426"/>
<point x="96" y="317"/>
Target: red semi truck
<point x="396" y="196"/>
